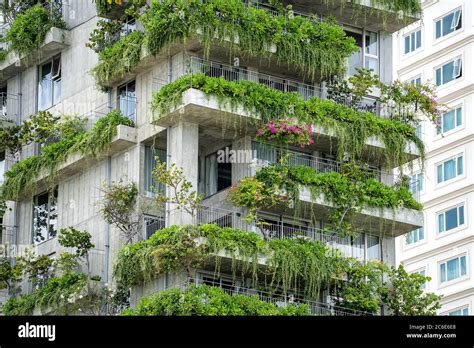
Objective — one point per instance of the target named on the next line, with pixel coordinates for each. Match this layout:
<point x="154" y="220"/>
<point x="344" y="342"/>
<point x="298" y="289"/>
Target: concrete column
<point x="183" y="151"/>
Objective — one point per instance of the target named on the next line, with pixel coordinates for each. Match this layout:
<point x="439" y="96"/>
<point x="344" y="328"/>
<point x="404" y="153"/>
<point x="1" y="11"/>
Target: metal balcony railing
<point x="268" y="229"/>
<point x="266" y="154"/>
<point x="280" y="300"/>
<point x="10" y="107"/>
<point x="275" y="12"/>
<point x="194" y="65"/>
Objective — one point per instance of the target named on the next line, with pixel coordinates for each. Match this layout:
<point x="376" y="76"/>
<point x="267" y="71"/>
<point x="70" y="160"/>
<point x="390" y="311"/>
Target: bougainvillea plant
<point x="287" y="132"/>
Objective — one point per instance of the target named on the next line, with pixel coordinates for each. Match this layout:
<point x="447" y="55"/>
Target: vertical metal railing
<point x="10" y="107"/>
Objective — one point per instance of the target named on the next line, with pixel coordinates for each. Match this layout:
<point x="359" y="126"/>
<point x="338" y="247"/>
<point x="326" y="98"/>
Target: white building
<point x="439" y="49"/>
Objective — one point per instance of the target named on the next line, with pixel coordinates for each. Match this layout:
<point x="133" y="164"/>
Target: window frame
<point x="456" y="128"/>
<point x="53" y="99"/>
<point x="461" y="308"/>
<point x="457" y="176"/>
<point x="440" y="19"/>
<point x="55" y="196"/>
<point x="455" y="229"/>
<point x="129" y="99"/>
<point x="419" y="241"/>
<point x="455" y="280"/>
<point x="409" y="36"/>
<point x="440" y="67"/>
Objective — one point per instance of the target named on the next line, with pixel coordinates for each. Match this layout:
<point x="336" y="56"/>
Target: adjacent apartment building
<point x="56" y="77"/>
<point x="439" y="50"/>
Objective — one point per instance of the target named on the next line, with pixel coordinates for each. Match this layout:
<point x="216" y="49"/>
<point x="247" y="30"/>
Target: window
<point x="152" y="187"/>
<point x="373" y="247"/>
<point x="449" y="121"/>
<point x="415" y="236"/>
<point x="458" y="312"/>
<point x="356" y="59"/>
<point x="416" y="80"/>
<point x="449" y="72"/>
<point x="449" y="169"/>
<point x="153" y="224"/>
<point x="449" y="23"/>
<point x="2" y="166"/>
<point x="218" y="174"/>
<point x="413" y="41"/>
<point x="45" y="216"/>
<point x="450" y="219"/>
<point x="371" y="51"/>
<point x="453" y="269"/>
<point x="127" y="100"/>
<point x="49" y="85"/>
<point x="415" y="183"/>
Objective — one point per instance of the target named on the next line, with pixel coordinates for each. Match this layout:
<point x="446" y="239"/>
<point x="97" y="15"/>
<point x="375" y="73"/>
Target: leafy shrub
<point x="210" y="301"/>
<point x="29" y="29"/>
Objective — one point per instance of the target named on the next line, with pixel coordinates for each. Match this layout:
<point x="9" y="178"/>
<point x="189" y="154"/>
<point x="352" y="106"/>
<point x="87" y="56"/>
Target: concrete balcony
<point x="56" y="40"/>
<point x="216" y="117"/>
<point x="362" y="13"/>
<point x="376" y="221"/>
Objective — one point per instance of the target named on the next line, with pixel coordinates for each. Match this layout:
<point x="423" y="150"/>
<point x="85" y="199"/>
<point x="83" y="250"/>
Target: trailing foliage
<point x="104" y="7"/>
<point x="210" y="301"/>
<point x="21" y="176"/>
<point x="28" y="30"/>
<point x="56" y="293"/>
<point x="287" y="132"/>
<point x="292" y="264"/>
<point x="119" y="59"/>
<point x="315" y="47"/>
<point x="407" y="8"/>
<point x="352" y="128"/>
<point x="348" y="192"/>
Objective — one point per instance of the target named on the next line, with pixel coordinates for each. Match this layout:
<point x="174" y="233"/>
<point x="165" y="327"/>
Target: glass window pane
<point x="449" y="169"/>
<point x="448" y="72"/>
<point x="460" y="166"/>
<point x="372" y="64"/>
<point x="412" y="38"/>
<point x="465" y="311"/>
<point x="451" y="217"/>
<point x="463" y="266"/>
<point x="440" y="173"/>
<point x="418" y="39"/>
<point x="443" y="272"/>
<point x="438" y="29"/>
<point x="458" y="117"/>
<point x="438" y="77"/>
<point x="447" y="21"/>
<point x="452" y="269"/>
<point x="461" y="215"/>
<point x="441" y="222"/>
<point x="371" y="43"/>
<point x="421" y="233"/>
<point x="448" y="121"/>
<point x="407" y="44"/>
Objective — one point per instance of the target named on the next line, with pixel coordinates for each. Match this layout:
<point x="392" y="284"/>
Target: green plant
<point x="348" y="192"/>
<point x="253" y="194"/>
<point x="182" y="193"/>
<point x="360" y="291"/>
<point x="292" y="265"/>
<point x="10" y="275"/>
<point x="352" y="128"/>
<point x="315" y="47"/>
<point x="106" y="6"/>
<point x="56" y="295"/>
<point x="210" y="301"/>
<point x="28" y="30"/>
<point x="21" y="176"/>
<point x="119" y="208"/>
<point x="403" y="294"/>
<point x="117" y="60"/>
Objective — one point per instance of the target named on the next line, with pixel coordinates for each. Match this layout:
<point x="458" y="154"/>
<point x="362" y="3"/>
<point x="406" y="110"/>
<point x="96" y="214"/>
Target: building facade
<point x="438" y="50"/>
<point x="192" y="134"/>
